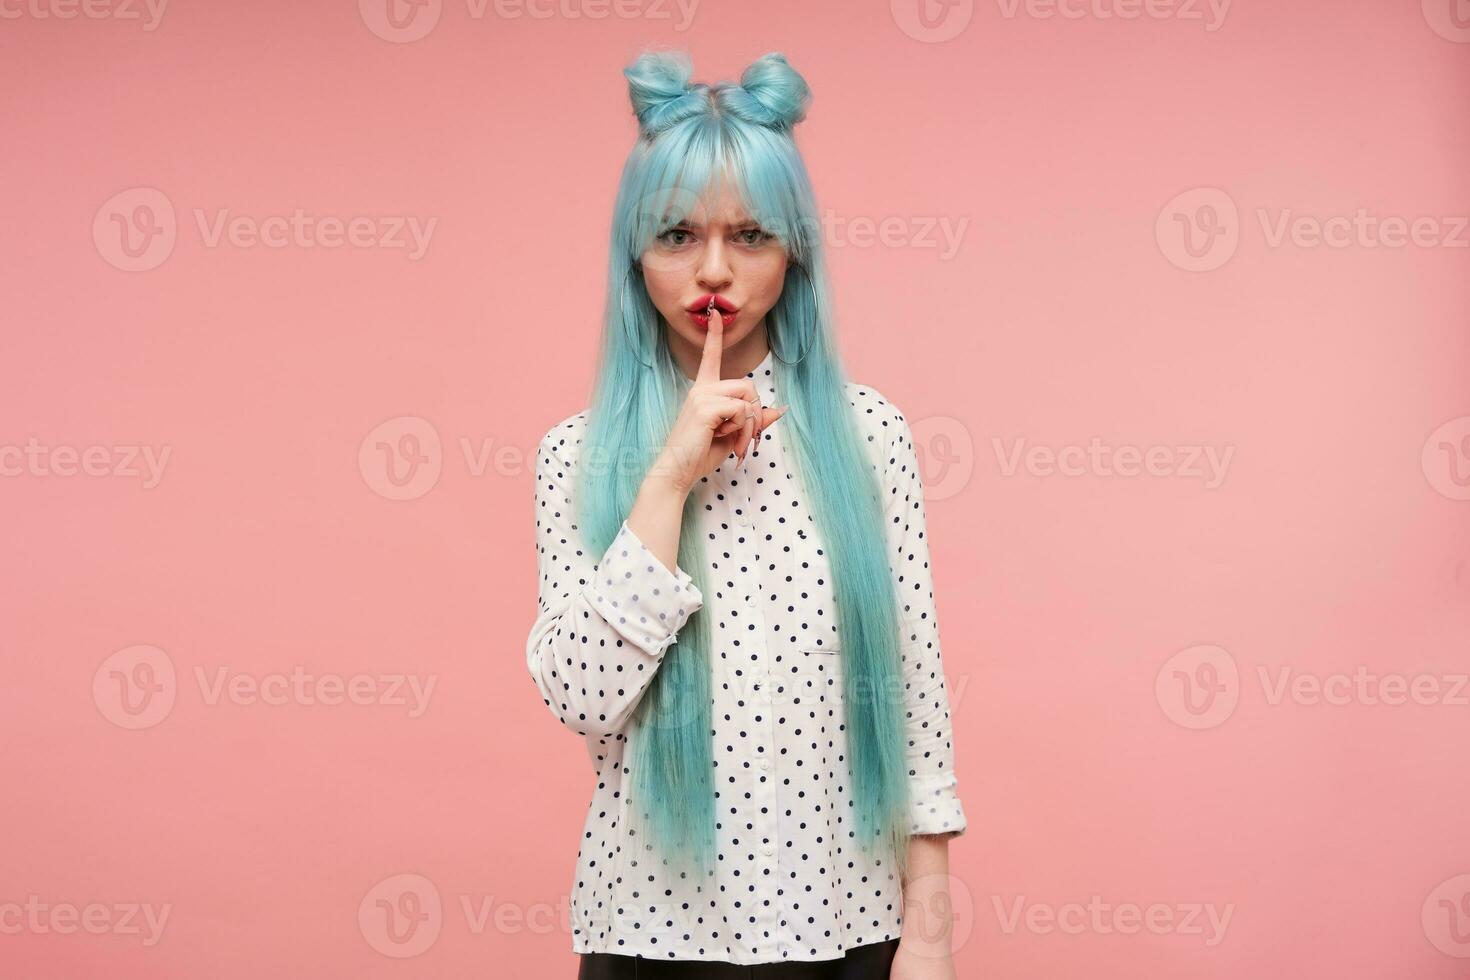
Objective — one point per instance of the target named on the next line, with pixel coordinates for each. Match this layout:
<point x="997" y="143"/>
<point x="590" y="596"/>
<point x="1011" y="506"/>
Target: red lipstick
<point x="699" y="309"/>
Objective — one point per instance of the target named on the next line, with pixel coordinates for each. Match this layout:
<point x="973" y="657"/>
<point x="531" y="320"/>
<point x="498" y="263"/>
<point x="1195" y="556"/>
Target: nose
<point x="713" y="273"/>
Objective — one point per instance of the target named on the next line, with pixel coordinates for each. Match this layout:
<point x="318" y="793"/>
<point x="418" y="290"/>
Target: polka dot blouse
<point x="791" y="883"/>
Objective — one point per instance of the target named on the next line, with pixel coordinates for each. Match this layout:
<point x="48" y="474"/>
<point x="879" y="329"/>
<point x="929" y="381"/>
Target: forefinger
<point x="709" y="365"/>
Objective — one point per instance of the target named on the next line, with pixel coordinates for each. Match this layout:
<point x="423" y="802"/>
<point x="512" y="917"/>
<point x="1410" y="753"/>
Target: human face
<point x="717" y="250"/>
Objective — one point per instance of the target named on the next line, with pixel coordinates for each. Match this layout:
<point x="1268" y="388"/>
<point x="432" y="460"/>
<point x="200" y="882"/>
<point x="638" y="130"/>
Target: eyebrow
<point x="737" y="225"/>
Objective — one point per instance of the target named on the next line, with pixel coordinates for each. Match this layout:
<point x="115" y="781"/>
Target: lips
<point x="721" y="303"/>
<point x="702" y="321"/>
<point x="698" y="310"/>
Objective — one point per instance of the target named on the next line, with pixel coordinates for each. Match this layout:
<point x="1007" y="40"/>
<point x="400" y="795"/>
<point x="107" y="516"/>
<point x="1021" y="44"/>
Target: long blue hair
<point x="692" y="137"/>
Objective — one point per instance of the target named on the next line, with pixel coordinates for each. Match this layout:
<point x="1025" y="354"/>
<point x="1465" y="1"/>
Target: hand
<point x="718" y="417"/>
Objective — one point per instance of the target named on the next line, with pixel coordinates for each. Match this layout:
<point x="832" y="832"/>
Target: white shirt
<point x="791" y="884"/>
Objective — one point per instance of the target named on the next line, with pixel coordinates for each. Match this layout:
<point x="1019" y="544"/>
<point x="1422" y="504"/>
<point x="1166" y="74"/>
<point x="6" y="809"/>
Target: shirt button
<point x="765" y="765"/>
<point x="750" y="601"/>
<point x="768" y="849"/>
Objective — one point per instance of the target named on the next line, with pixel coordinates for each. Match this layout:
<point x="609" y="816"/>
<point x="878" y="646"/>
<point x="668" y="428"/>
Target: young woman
<point x="736" y="610"/>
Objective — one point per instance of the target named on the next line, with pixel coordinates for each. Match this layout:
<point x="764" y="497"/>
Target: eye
<point x="666" y="238"/>
<point x="754" y="236"/>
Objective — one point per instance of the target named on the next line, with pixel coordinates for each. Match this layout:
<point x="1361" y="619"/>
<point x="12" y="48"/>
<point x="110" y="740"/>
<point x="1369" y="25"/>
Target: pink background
<point x="1079" y="612"/>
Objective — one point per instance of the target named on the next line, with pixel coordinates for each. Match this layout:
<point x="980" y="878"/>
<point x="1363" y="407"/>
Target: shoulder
<point x="563" y="440"/>
<point x="877" y="413"/>
<point x="885" y="429"/>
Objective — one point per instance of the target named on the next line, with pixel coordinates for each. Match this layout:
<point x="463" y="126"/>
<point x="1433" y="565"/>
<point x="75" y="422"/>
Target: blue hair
<point x="691" y="139"/>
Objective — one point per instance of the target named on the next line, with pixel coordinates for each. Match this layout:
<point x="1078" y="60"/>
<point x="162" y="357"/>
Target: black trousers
<point x="870" y="962"/>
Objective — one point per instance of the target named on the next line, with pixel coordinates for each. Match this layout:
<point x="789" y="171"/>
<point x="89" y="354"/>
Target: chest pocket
<point x="814" y="600"/>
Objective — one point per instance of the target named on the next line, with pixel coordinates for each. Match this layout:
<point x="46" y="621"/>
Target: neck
<point x="736" y="361"/>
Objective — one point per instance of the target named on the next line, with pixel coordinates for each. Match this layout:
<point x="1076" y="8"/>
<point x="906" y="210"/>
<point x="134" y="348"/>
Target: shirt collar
<point x="764" y="376"/>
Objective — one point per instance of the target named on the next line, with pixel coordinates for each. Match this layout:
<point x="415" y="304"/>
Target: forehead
<point x="720" y="205"/>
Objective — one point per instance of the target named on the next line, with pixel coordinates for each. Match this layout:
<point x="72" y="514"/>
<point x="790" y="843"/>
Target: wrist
<point x="923" y="934"/>
<point x="665" y="481"/>
<point x="662" y="493"/>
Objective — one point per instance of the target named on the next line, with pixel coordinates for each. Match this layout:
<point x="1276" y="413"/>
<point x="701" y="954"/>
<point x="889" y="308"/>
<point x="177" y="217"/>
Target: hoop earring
<point x="630" y="336"/>
<point x="776" y="348"/>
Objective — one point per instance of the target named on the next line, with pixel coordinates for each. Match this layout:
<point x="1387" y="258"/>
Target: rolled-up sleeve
<point x="641" y="600"/>
<point x="603" y="626"/>
<point x="935" y="806"/>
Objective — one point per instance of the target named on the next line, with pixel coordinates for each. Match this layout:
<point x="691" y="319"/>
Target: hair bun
<point x="771" y="93"/>
<point x="779" y="91"/>
<point x="658" y="87"/>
